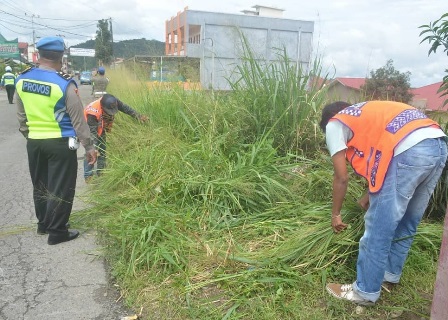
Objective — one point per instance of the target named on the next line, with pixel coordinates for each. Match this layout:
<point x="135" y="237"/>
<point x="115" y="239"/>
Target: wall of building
<point x="339" y="92"/>
<point x="220" y="45"/>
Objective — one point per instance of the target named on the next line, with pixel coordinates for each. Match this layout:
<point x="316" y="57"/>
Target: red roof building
<point x="428" y="98"/>
<point x="346" y="89"/>
<point x="425" y="98"/>
<point x="355" y="83"/>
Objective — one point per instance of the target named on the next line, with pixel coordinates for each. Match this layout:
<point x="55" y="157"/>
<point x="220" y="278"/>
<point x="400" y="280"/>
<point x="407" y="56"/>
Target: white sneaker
<point x="345" y="292"/>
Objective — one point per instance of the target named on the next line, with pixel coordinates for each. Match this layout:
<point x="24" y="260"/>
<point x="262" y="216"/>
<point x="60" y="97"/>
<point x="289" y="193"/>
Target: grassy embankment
<point x="219" y="206"/>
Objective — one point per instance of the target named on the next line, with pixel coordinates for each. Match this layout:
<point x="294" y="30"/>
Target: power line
<point x="13" y="6"/>
<point x="57" y="19"/>
<point x="127" y="28"/>
<point x="23" y="34"/>
<point x="59" y="29"/>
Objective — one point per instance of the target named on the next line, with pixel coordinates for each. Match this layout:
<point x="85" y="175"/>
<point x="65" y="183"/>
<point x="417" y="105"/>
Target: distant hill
<point x="122" y="49"/>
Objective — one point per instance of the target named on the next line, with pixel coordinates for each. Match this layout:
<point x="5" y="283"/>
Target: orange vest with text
<point x="378" y="127"/>
<point x="95" y="109"/>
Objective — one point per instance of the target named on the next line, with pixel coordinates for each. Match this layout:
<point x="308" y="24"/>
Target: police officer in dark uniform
<point x="50" y="114"/>
<point x="99" y="83"/>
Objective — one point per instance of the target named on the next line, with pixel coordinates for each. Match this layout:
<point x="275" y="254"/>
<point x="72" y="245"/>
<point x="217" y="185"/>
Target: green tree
<point x="436" y="33"/>
<point x="103" y="42"/>
<point x="386" y="83"/>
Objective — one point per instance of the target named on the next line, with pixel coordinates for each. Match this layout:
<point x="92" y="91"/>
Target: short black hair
<point x="51" y="55"/>
<point x="330" y="110"/>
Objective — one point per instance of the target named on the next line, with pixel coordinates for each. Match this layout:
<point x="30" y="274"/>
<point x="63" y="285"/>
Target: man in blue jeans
<point x="401" y="153"/>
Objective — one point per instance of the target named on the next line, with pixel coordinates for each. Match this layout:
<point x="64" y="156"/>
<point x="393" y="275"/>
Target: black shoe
<point x="55" y="239"/>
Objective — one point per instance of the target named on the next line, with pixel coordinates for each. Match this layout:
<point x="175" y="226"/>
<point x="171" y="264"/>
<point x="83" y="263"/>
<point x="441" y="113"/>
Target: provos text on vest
<point x="38" y="88"/>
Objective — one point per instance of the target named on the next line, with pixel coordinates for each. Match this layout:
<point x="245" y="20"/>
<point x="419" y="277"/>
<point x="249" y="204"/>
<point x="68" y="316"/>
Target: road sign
<point x="9" y="49"/>
<point x="81" y="52"/>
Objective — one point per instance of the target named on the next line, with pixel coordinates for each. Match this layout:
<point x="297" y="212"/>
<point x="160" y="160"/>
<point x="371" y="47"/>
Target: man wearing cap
<point x="50" y="114"/>
<point x="99" y="83"/>
<point x="100" y="117"/>
<point x="7" y="81"/>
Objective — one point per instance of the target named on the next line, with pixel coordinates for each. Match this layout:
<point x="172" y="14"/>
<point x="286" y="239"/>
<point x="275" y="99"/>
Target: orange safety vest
<point x="378" y="127"/>
<point x="94" y="108"/>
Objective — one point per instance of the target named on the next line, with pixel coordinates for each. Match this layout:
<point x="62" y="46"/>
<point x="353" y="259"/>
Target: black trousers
<point x="53" y="169"/>
<point x="10" y="89"/>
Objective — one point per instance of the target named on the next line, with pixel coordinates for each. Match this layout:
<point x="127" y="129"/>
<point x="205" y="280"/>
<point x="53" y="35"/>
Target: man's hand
<point x="337" y="224"/>
<point x="364" y="201"/>
<point x="142" y="118"/>
<point x="91" y="156"/>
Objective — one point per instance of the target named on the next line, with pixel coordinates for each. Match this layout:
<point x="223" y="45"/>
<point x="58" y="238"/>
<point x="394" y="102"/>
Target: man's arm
<point x="93" y="127"/>
<point x="75" y="110"/>
<point x="127" y="109"/>
<point x="340" y="183"/>
<point x="21" y="116"/>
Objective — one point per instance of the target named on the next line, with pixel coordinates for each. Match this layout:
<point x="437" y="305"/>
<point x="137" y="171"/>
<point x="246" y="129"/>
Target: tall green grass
<point x="280" y="97"/>
<point x="219" y="206"/>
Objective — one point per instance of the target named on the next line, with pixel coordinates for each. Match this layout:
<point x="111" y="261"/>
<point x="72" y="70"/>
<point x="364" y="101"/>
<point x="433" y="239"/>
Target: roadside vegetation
<point x="219" y="207"/>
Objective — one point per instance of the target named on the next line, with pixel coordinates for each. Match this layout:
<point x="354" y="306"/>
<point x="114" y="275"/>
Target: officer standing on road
<point x="50" y="114"/>
<point x="100" y="117"/>
<point x="7" y="81"/>
<point x="99" y="83"/>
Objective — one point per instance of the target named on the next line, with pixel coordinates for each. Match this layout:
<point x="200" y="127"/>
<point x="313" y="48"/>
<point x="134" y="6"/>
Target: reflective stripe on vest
<point x="8" y="78"/>
<point x="43" y="95"/>
<point x="378" y="127"/>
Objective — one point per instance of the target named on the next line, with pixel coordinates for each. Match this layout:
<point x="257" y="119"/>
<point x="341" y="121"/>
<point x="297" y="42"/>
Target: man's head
<point x="109" y="104"/>
<point x="330" y="110"/>
<point x="8" y="69"/>
<point x="51" y="48"/>
<point x="101" y="70"/>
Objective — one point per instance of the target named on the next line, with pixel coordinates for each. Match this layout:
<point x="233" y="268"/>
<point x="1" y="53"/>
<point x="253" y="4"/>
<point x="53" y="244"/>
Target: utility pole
<point x="34" y="32"/>
<point x="65" y="57"/>
<point x="112" y="40"/>
<point x="32" y="26"/>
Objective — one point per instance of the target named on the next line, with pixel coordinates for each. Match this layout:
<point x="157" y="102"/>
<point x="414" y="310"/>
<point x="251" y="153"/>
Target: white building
<point x="216" y="39"/>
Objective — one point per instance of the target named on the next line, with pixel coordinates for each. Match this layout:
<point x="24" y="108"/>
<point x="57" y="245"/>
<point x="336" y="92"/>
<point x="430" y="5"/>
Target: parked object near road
<point x="85" y="77"/>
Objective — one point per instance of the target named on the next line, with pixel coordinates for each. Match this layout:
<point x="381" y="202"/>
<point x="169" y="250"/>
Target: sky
<point x="351" y="37"/>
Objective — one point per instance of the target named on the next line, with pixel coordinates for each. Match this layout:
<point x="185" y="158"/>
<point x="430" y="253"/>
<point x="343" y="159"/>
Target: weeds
<point x="219" y="207"/>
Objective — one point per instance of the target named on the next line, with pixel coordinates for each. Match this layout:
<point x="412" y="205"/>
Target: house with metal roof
<point x="425" y="98"/>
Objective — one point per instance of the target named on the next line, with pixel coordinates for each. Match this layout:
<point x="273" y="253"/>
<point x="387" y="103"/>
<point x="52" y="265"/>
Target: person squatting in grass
<point x="100" y="117"/>
<point x="50" y="114"/>
<point x="401" y="153"/>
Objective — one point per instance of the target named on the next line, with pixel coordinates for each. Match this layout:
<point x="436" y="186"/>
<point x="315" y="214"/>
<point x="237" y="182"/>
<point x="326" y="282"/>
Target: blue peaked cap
<point x="51" y="44"/>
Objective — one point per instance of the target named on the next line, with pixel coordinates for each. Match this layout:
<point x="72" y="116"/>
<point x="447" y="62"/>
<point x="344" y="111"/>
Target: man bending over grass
<point x="401" y="153"/>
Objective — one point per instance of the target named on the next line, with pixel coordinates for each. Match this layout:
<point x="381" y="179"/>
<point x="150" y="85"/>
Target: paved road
<point x="38" y="281"/>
